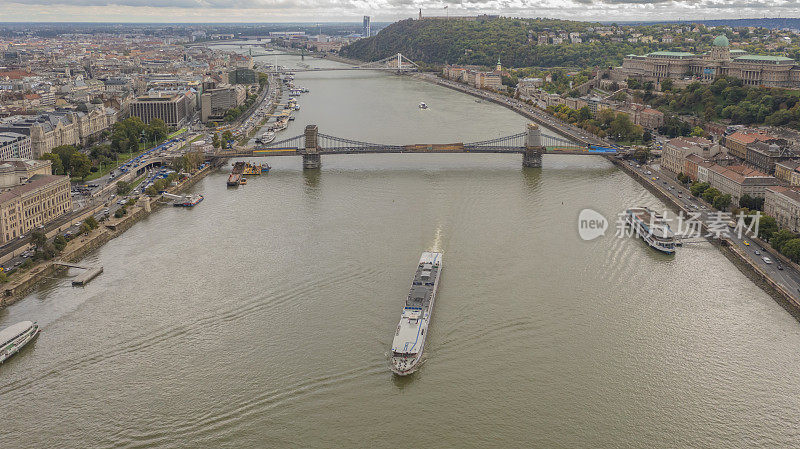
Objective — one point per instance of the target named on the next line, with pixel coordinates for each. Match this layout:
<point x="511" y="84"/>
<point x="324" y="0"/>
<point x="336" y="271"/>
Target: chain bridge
<point x="312" y="145"/>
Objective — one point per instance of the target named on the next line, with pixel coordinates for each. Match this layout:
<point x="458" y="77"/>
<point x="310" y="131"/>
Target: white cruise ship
<point x="409" y="338"/>
<point x="652" y="228"/>
<point x="13" y="338"/>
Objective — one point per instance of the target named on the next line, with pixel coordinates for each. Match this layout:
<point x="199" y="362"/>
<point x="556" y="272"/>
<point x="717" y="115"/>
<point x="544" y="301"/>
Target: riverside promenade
<point x="22" y="282"/>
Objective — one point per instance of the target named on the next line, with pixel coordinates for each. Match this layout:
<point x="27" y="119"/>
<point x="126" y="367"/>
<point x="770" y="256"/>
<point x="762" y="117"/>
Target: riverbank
<point x="21" y="283"/>
<point x="527" y="111"/>
<point x="728" y="248"/>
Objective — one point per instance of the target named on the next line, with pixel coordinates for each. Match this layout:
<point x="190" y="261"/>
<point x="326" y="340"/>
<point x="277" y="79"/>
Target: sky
<point x="238" y="11"/>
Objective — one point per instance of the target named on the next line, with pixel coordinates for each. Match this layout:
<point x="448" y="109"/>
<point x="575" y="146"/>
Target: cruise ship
<point x="409" y="338"/>
<point x="13" y="338"/>
<point x="652" y="228"/>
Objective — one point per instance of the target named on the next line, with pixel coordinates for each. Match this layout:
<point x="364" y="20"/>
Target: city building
<point x="38" y="202"/>
<point x="215" y="102"/>
<point x="47" y="131"/>
<point x="738" y="180"/>
<point x="174" y="109"/>
<point x="787" y="171"/>
<point x="737" y="142"/>
<point x="15" y="145"/>
<point x="242" y="75"/>
<point x="675" y="151"/>
<point x="783" y="203"/>
<point x="754" y="70"/>
<point x="16" y="171"/>
<point x="367" y="32"/>
<point x="763" y="156"/>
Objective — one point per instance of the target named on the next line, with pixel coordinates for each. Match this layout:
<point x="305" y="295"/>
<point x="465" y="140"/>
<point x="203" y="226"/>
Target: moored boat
<point x="422" y="105"/>
<point x="189" y="201"/>
<point x="409" y="338"/>
<point x="652" y="228"/>
<point x="14" y="337"/>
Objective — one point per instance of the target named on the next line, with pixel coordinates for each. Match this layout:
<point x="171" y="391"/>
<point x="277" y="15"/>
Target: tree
<point x="227" y="136"/>
<point x="157" y="130"/>
<point x="721" y="202"/>
<point x="791" y="249"/>
<point x="92" y="222"/>
<point x="711" y="194"/>
<point x="666" y="85"/>
<point x="123" y="187"/>
<point x="57" y="167"/>
<point x="780" y="238"/>
<point x="215" y="141"/>
<point x="85" y="228"/>
<point x="65" y="153"/>
<point x="38" y="238"/>
<point x="697" y="132"/>
<point x="60" y="242"/>
<point x="767" y="227"/>
<point x="80" y="165"/>
<point x="698" y="188"/>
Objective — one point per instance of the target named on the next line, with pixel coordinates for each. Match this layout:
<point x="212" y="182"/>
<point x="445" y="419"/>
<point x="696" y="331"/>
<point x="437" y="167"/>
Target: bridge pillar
<point x="311" y="157"/>
<point x="533" y="147"/>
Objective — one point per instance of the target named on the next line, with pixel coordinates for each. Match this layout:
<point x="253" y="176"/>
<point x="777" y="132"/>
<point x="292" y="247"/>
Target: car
<point x="757" y="252"/>
<point x="680" y="196"/>
<point x="780" y="267"/>
<point x="746" y="243"/>
<point x="649" y="172"/>
<point x="767" y="260"/>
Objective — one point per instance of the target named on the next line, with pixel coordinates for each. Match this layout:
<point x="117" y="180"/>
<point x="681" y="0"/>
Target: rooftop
<point x="672" y="54"/>
<point x="764" y="58"/>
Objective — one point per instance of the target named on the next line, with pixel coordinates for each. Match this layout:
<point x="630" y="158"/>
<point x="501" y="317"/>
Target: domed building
<point x="684" y="67"/>
<point x="720" y="49"/>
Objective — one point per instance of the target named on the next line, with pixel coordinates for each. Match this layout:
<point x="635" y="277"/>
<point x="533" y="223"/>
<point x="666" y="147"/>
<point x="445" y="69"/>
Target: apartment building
<point x="38" y="202"/>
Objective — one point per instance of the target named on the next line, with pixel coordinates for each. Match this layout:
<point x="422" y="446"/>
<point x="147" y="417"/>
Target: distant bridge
<point x="396" y="63"/>
<point x="312" y="145"/>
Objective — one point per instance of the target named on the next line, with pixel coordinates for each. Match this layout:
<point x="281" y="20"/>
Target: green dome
<point x="721" y="41"/>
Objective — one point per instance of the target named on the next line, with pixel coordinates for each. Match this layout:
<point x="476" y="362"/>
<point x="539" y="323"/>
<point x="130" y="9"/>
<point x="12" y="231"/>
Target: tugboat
<point x="422" y="105"/>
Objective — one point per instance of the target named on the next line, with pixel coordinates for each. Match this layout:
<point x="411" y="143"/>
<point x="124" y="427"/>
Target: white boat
<point x="409" y="338"/>
<point x="266" y="138"/>
<point x="13" y="338"/>
<point x="652" y="228"/>
<point x="422" y="105"/>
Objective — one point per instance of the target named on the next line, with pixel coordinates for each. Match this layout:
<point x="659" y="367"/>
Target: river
<point x="262" y="317"/>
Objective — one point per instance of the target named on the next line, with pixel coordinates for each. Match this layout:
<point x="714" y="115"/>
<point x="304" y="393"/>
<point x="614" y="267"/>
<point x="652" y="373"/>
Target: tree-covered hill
<point x="482" y="42"/>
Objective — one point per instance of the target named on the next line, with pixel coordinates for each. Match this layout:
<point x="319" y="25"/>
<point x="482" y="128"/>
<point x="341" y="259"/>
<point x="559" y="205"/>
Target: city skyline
<point x="228" y="11"/>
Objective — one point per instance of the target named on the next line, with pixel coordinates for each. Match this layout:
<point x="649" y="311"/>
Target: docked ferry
<point x="13" y="338"/>
<point x="652" y="228"/>
<point x="266" y="138"/>
<point x="189" y="201"/>
<point x="409" y="338"/>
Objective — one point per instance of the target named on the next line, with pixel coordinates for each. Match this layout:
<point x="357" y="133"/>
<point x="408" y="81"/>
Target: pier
<point x="84" y="278"/>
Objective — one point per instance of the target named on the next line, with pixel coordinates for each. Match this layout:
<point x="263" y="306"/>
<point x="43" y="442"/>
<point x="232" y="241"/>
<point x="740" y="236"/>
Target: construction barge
<point x="235" y="178"/>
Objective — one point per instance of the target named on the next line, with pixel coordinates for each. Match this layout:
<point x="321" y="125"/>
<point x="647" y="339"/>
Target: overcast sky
<point x="381" y="10"/>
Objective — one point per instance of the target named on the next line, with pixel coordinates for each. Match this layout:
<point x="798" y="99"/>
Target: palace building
<point x="753" y="70"/>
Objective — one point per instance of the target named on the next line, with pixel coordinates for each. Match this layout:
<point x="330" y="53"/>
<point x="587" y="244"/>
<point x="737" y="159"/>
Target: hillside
<point x="440" y="41"/>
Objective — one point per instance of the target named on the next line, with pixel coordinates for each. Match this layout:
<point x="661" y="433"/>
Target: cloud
<point x="381" y="10"/>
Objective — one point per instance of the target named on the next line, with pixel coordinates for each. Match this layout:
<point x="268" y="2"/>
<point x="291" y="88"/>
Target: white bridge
<point x="396" y="63"/>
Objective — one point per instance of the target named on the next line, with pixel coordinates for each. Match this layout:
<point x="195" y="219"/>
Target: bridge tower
<point x="533" y="147"/>
<point x="311" y="157"/>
